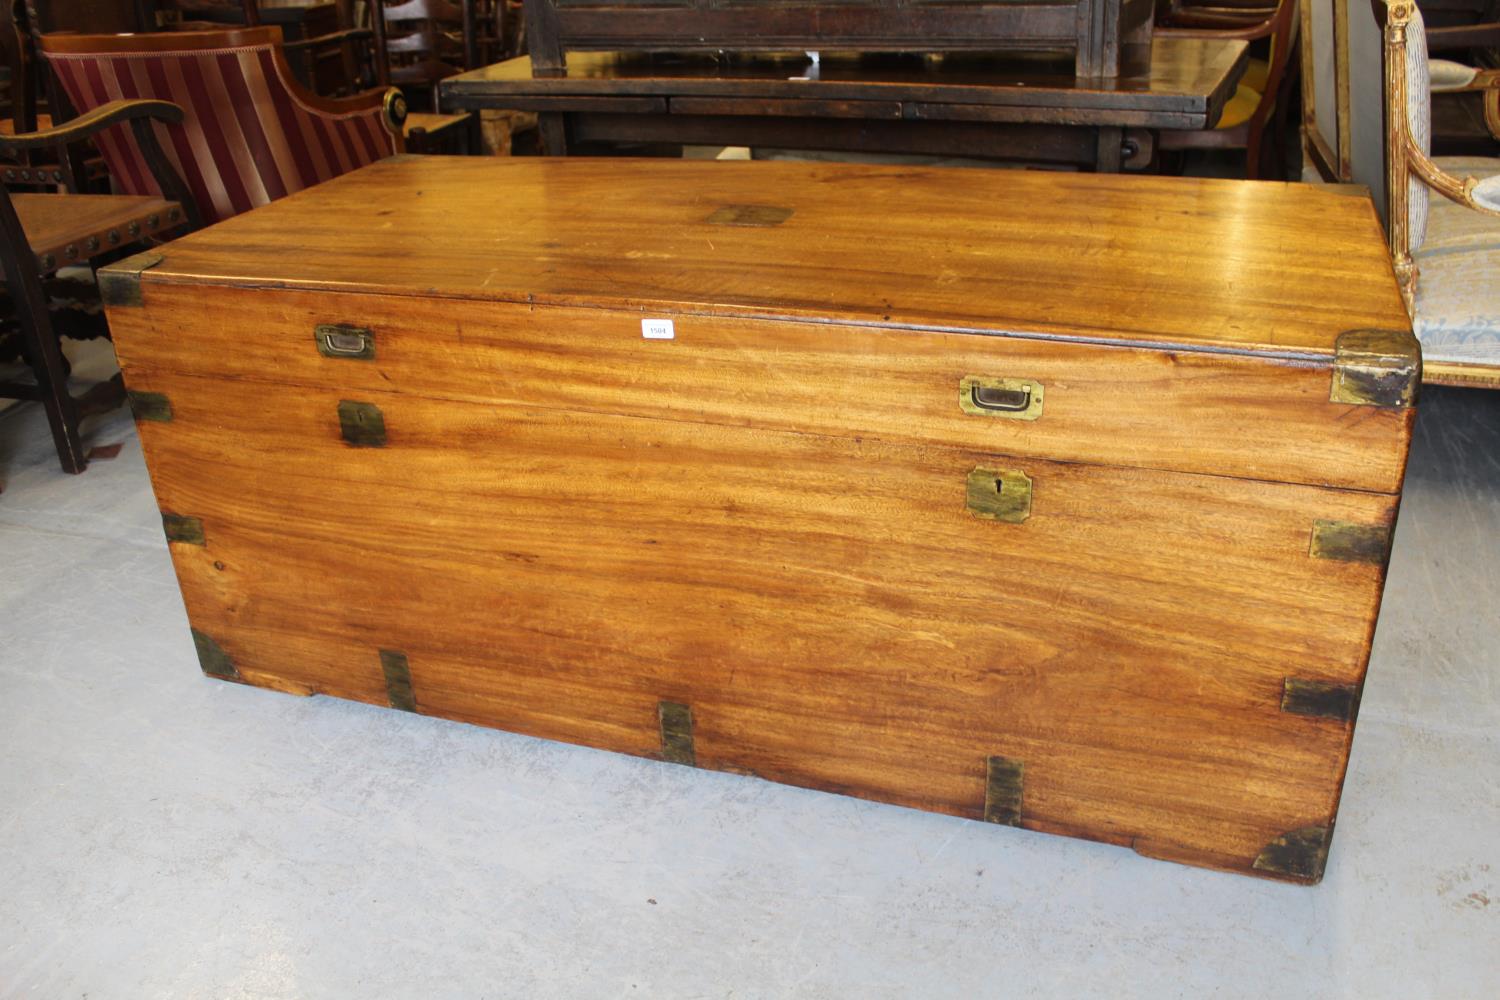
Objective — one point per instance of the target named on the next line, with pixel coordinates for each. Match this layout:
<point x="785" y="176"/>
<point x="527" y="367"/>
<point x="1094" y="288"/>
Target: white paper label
<point x="657" y="329"/>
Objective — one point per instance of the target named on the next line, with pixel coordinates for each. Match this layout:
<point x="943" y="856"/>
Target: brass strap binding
<point x="676" y="733"/>
<point x="397" y="672"/>
<point x="1002" y="790"/>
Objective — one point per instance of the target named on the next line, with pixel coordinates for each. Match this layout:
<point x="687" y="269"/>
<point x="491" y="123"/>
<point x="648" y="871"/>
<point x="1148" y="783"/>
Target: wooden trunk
<point x="1107" y="37"/>
<point x="1061" y="501"/>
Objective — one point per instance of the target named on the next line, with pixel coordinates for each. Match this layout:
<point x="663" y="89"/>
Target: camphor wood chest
<point x="1061" y="501"/>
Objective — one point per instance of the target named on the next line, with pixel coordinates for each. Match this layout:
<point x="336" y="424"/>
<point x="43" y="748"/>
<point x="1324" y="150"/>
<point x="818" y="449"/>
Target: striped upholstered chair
<point x="251" y="134"/>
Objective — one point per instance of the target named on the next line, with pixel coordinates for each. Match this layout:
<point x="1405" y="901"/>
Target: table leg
<point x="1108" y="159"/>
<point x="553" y="126"/>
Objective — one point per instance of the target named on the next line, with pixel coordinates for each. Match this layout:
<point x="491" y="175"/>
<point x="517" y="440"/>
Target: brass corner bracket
<point x="212" y="658"/>
<point x="1376" y="368"/>
<point x="120" y="282"/>
<point x="1299" y="855"/>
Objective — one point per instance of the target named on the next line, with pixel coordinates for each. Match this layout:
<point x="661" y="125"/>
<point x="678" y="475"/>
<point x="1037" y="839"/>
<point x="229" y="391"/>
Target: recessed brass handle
<point x="338" y="341"/>
<point x="1012" y="398"/>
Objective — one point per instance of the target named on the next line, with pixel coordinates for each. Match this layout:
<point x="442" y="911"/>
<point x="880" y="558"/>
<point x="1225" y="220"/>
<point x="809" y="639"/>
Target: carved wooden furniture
<point x="1107" y="37"/>
<point x="251" y="133"/>
<point x="1020" y="108"/>
<point x="1464" y="109"/>
<point x="419" y="42"/>
<point x="1446" y="252"/>
<point x="40" y="233"/>
<point x="1253" y="119"/>
<point x="1051" y="499"/>
<point x="325" y="51"/>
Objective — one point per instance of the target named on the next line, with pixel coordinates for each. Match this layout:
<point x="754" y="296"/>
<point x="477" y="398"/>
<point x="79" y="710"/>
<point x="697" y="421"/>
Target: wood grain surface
<point x="1219" y="414"/>
<point x="827" y="606"/>
<point x="1188" y="263"/>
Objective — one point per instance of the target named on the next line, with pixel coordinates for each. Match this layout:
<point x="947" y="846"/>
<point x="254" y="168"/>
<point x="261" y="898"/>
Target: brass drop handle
<point x="988" y="397"/>
<point x="1010" y="398"/>
<point x="339" y="341"/>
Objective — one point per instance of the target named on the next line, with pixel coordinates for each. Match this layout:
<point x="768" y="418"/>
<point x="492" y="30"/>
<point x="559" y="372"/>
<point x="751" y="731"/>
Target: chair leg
<point x="62" y="410"/>
<point x="1253" y="153"/>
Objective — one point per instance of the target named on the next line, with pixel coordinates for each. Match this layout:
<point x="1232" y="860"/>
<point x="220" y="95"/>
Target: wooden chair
<point x="334" y="63"/>
<point x="1463" y="109"/>
<point x="42" y="233"/>
<point x="420" y="42"/>
<point x="1446" y="253"/>
<point x="1254" y="118"/>
<point x="250" y="133"/>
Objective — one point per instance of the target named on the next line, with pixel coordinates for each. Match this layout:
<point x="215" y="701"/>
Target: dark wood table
<point x="1017" y="107"/>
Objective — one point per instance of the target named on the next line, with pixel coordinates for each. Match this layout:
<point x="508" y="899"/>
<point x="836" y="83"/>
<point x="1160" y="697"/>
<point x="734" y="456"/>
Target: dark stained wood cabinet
<point x="1108" y="37"/>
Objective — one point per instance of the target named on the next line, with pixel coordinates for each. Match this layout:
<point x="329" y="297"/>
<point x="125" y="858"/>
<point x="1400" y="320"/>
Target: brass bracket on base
<point x="1376" y="368"/>
<point x="397" y="672"/>
<point x="1002" y="790"/>
<point x="212" y="658"/>
<point x="676" y="733"/>
<point x="120" y="282"/>
<point x="1300" y="855"/>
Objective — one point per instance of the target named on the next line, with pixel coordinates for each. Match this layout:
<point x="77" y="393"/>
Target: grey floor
<point x="167" y="836"/>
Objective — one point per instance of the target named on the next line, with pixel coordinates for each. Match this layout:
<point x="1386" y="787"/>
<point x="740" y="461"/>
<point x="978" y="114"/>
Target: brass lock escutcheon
<point x="1012" y="398"/>
<point x="339" y="341"/>
<point x="999" y="494"/>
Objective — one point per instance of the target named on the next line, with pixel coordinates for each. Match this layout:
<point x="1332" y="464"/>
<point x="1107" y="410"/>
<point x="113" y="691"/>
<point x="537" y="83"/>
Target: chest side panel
<point x="1218" y="414"/>
<point x="832" y="610"/>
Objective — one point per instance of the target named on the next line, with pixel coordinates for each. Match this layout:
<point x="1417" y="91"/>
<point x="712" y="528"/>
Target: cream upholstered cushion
<point x="1487" y="193"/>
<point x="1418" y="123"/>
<point x="1458" y="282"/>
<point x="1447" y="75"/>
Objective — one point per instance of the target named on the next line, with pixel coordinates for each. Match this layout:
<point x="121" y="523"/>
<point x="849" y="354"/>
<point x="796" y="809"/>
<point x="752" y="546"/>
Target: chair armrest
<point x="389" y="100"/>
<point x="332" y="38"/>
<point x="91" y="123"/>
<point x="1467" y="36"/>
<point x="1247" y="33"/>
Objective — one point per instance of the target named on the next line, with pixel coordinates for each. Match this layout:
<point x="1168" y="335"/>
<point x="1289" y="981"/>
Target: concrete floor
<point x="167" y="836"/>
